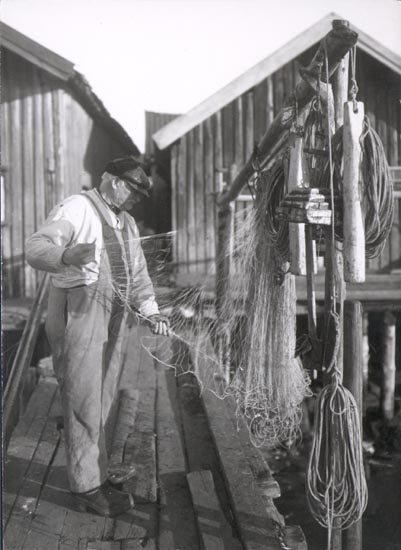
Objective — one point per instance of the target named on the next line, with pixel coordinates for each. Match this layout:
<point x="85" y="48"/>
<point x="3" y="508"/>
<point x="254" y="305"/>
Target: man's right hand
<point x="78" y="255"/>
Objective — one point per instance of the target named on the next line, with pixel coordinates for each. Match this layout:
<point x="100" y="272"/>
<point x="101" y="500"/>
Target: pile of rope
<point x="377" y="188"/>
<point x="336" y="485"/>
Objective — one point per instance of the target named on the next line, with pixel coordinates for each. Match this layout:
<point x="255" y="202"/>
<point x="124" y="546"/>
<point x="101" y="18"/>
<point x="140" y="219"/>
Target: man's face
<point x="125" y="196"/>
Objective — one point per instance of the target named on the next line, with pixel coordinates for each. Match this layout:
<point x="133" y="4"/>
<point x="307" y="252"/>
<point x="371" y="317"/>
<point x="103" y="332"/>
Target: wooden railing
<point x="23" y="357"/>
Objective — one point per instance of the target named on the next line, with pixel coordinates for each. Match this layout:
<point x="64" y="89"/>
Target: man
<point x="91" y="246"/>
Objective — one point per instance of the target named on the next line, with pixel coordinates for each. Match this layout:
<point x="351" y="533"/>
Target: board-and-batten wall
<point x="51" y="148"/>
<point x="223" y="143"/>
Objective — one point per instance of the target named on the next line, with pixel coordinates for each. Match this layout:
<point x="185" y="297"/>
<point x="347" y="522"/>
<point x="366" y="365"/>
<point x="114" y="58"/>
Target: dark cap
<point x="131" y="171"/>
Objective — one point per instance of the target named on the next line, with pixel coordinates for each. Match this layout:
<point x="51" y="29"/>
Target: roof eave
<point x="256" y="74"/>
<point x="35" y="53"/>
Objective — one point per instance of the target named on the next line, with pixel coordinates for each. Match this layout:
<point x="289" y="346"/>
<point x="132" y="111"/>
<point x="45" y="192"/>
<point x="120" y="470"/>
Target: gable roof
<point x="60" y="67"/>
<point x="253" y="76"/>
<point x="35" y="53"/>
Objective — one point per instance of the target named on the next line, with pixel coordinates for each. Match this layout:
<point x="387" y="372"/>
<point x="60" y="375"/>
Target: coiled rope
<point x="336" y="484"/>
<point x="376" y="188"/>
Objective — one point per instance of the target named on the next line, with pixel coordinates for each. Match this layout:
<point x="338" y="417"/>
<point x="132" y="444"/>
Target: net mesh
<point x="245" y="348"/>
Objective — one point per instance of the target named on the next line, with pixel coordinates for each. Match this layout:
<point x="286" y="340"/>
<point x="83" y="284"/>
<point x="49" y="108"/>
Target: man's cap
<point x="131" y="171"/>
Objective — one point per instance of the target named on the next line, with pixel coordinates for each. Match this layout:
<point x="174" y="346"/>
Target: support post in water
<point x="353" y="380"/>
<point x="388" y="381"/>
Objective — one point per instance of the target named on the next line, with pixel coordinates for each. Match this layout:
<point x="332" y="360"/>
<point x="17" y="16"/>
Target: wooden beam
<point x="24" y="353"/>
<point x="35" y="53"/>
<point x="215" y="531"/>
<point x="389" y="367"/>
<point x="336" y="44"/>
<point x="353" y="380"/>
<point x="245" y="82"/>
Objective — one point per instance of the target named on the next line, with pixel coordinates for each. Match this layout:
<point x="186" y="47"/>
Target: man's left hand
<point x="160" y="324"/>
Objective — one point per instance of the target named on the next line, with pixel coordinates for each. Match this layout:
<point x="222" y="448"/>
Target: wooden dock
<point x="200" y="484"/>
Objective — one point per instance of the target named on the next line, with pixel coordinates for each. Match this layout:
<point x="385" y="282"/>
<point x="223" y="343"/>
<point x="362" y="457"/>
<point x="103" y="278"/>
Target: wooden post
<point x="365" y="359"/>
<point x="340" y="84"/>
<point x="296" y="230"/>
<point x="388" y="380"/>
<point x="334" y="277"/>
<point x="353" y="380"/>
<point x="354" y="226"/>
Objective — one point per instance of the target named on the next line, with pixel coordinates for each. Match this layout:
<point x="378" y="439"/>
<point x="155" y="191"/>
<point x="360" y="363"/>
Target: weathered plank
<point x="38" y="147"/>
<point x="58" y="116"/>
<point x="175" y="207"/>
<point x="24" y="442"/>
<point x="256" y="529"/>
<point x="139" y="448"/>
<point x="138" y="526"/>
<point x="210" y="198"/>
<point x="260" y="109"/>
<point x="249" y="125"/>
<point x="35" y="521"/>
<point x="182" y="199"/>
<point x="128" y="403"/>
<point x="278" y="91"/>
<point x="29" y="222"/>
<point x="191" y="204"/>
<point x="16" y="179"/>
<point x="215" y="530"/>
<point x="199" y="194"/>
<point x="48" y="148"/>
<point x="238" y="132"/>
<point x="177" y="525"/>
<point x="227" y="122"/>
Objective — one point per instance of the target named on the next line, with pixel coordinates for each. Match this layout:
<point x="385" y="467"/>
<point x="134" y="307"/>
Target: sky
<point x="169" y="55"/>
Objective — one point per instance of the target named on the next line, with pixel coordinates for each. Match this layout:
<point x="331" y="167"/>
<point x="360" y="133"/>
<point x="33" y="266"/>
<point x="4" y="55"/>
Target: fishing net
<point x="256" y="318"/>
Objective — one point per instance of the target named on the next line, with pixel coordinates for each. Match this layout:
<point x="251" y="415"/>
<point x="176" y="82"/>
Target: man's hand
<point x="80" y="254"/>
<point x="159" y="324"/>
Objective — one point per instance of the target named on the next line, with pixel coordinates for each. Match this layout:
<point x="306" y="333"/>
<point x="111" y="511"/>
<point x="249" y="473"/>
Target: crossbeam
<point x="335" y="44"/>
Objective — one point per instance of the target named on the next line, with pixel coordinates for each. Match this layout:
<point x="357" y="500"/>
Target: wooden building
<point x="210" y="143"/>
<point x="56" y="137"/>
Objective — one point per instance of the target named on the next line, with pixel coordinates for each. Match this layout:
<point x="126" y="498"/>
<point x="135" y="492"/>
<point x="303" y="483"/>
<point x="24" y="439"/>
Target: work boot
<point x="121" y="473"/>
<point x="105" y="500"/>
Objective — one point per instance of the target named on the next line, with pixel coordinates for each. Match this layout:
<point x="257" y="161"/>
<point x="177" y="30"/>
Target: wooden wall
<point x="51" y="148"/>
<point x="219" y="146"/>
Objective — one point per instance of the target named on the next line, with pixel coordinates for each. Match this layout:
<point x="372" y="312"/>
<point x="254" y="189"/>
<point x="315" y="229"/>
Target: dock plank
<point x="140" y="447"/>
<point x="215" y="530"/>
<point x="35" y="523"/>
<point x="256" y="528"/>
<point x="24" y="442"/>
<point x="137" y="528"/>
<point x="177" y="525"/>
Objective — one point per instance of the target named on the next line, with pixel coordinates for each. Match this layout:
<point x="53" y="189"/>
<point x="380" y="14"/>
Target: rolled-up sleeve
<point x="44" y="249"/>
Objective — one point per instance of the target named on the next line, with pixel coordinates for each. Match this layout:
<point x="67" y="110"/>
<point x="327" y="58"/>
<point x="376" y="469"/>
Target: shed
<point x="211" y="142"/>
<point x="56" y="136"/>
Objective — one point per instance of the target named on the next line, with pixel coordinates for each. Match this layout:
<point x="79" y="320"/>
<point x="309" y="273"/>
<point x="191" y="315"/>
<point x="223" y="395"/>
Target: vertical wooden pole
<point x="388" y="380"/>
<point x="334" y="278"/>
<point x="340" y="89"/>
<point x="296" y="230"/>
<point x="365" y="360"/>
<point x="353" y="380"/>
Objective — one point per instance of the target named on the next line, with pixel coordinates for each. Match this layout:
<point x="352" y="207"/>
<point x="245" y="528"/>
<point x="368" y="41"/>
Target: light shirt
<point x="75" y="220"/>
